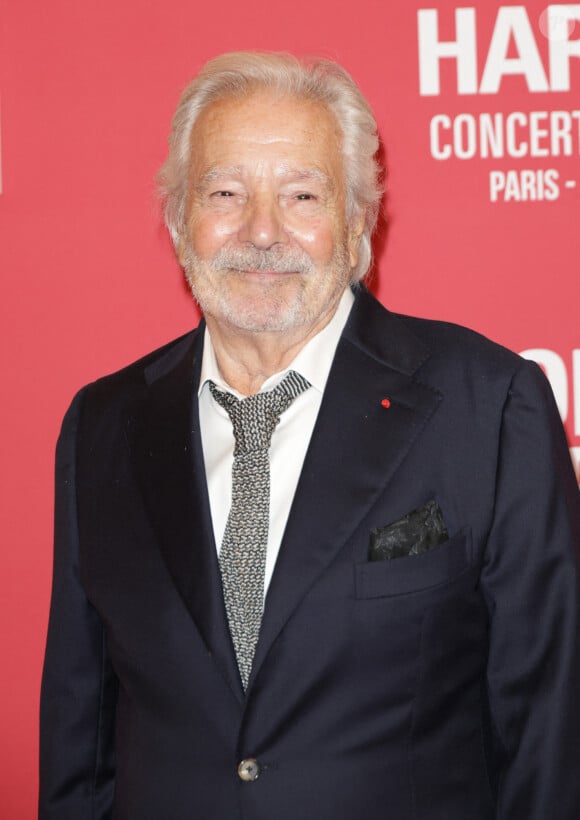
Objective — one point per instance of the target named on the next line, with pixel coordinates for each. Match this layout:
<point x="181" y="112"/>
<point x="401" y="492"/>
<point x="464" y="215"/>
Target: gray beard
<point x="285" y="315"/>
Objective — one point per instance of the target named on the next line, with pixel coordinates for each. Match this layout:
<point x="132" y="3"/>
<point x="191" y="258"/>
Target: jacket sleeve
<point x="78" y="686"/>
<point x="530" y="579"/>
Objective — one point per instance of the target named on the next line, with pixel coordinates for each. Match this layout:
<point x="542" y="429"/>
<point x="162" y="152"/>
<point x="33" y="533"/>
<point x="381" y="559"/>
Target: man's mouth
<point x="265" y="273"/>
<point x="259" y="262"/>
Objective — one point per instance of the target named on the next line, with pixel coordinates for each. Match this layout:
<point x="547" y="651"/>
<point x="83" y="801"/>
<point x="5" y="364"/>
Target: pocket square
<point x="418" y="531"/>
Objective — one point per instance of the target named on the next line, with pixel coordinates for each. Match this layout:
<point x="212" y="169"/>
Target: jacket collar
<point x="376" y="358"/>
<point x="163" y="432"/>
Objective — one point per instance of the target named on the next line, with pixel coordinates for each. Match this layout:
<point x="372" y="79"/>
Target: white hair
<point x="241" y="73"/>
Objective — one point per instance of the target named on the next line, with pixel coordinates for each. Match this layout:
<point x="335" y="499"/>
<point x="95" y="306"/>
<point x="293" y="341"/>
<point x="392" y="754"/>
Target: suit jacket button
<point x="249" y="770"/>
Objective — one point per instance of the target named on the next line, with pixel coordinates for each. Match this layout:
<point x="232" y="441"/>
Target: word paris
<point x="512" y="23"/>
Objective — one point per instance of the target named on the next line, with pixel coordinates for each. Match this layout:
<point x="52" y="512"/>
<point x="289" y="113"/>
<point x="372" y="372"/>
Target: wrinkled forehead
<point x="267" y="127"/>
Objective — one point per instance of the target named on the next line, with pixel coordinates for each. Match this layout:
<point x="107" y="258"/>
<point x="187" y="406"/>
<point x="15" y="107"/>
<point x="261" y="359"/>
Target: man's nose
<point x="263" y="224"/>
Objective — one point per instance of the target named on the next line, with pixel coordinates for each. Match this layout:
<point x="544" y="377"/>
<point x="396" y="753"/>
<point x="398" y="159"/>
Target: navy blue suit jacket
<point x="441" y="686"/>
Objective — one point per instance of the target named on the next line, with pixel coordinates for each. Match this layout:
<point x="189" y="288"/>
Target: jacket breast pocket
<point x="415" y="573"/>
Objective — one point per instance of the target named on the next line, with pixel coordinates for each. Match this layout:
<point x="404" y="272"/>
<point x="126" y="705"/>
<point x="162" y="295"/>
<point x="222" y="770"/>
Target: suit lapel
<point x="165" y="441"/>
<point x="355" y="450"/>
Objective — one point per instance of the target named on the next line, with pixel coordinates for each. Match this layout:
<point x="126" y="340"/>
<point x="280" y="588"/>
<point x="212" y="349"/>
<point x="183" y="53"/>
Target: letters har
<point x="512" y="24"/>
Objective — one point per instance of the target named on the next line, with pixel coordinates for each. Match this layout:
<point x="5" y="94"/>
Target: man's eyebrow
<point x="214" y="174"/>
<point x="306" y="174"/>
<point x="292" y="173"/>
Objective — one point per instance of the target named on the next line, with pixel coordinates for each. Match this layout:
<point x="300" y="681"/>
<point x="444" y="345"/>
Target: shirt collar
<point x="313" y="361"/>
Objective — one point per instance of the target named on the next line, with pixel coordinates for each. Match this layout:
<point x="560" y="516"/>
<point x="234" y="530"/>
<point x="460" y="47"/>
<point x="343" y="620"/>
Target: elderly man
<point x="314" y="561"/>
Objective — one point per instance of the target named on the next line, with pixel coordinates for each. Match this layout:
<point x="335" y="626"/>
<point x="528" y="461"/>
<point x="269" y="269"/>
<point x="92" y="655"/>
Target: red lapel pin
<point x="386" y="403"/>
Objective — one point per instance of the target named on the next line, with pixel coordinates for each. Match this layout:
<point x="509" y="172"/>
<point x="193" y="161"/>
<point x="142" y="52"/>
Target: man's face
<point x="267" y="246"/>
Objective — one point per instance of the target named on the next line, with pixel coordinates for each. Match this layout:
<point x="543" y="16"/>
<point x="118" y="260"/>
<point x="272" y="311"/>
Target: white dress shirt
<point x="290" y="438"/>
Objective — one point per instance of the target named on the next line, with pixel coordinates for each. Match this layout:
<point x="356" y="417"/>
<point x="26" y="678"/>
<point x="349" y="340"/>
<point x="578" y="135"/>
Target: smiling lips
<point x="267" y="273"/>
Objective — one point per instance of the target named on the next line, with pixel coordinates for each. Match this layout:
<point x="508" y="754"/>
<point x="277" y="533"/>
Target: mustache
<point x="256" y="259"/>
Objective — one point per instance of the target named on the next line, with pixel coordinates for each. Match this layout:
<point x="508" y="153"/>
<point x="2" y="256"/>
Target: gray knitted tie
<point x="243" y="551"/>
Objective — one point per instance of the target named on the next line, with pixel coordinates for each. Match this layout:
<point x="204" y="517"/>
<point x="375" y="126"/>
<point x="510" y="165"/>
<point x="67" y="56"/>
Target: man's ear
<point x="179" y="245"/>
<point x="355" y="231"/>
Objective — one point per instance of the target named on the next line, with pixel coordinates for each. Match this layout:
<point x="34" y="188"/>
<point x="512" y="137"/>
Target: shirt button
<point x="249" y="770"/>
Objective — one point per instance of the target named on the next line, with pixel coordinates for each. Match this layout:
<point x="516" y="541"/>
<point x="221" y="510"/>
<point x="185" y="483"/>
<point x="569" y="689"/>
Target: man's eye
<point x="223" y="193"/>
<point x="305" y="197"/>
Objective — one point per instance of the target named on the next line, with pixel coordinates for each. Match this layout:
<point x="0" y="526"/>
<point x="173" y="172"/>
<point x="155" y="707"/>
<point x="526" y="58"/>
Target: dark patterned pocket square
<point x="418" y="531"/>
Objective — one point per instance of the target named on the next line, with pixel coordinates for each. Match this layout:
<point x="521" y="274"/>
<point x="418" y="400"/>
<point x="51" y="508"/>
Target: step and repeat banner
<point x="479" y="112"/>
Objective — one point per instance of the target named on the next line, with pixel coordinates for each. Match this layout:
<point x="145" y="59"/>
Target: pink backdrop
<point x="484" y="193"/>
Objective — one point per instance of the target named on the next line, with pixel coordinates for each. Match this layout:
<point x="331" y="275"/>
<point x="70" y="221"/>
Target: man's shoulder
<point x="464" y="362"/>
<point x="439" y="345"/>
<point x="444" y="338"/>
<point x="131" y="380"/>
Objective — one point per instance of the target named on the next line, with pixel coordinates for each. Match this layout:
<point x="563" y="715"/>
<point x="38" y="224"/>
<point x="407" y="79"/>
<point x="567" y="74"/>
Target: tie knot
<point x="254" y="418"/>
